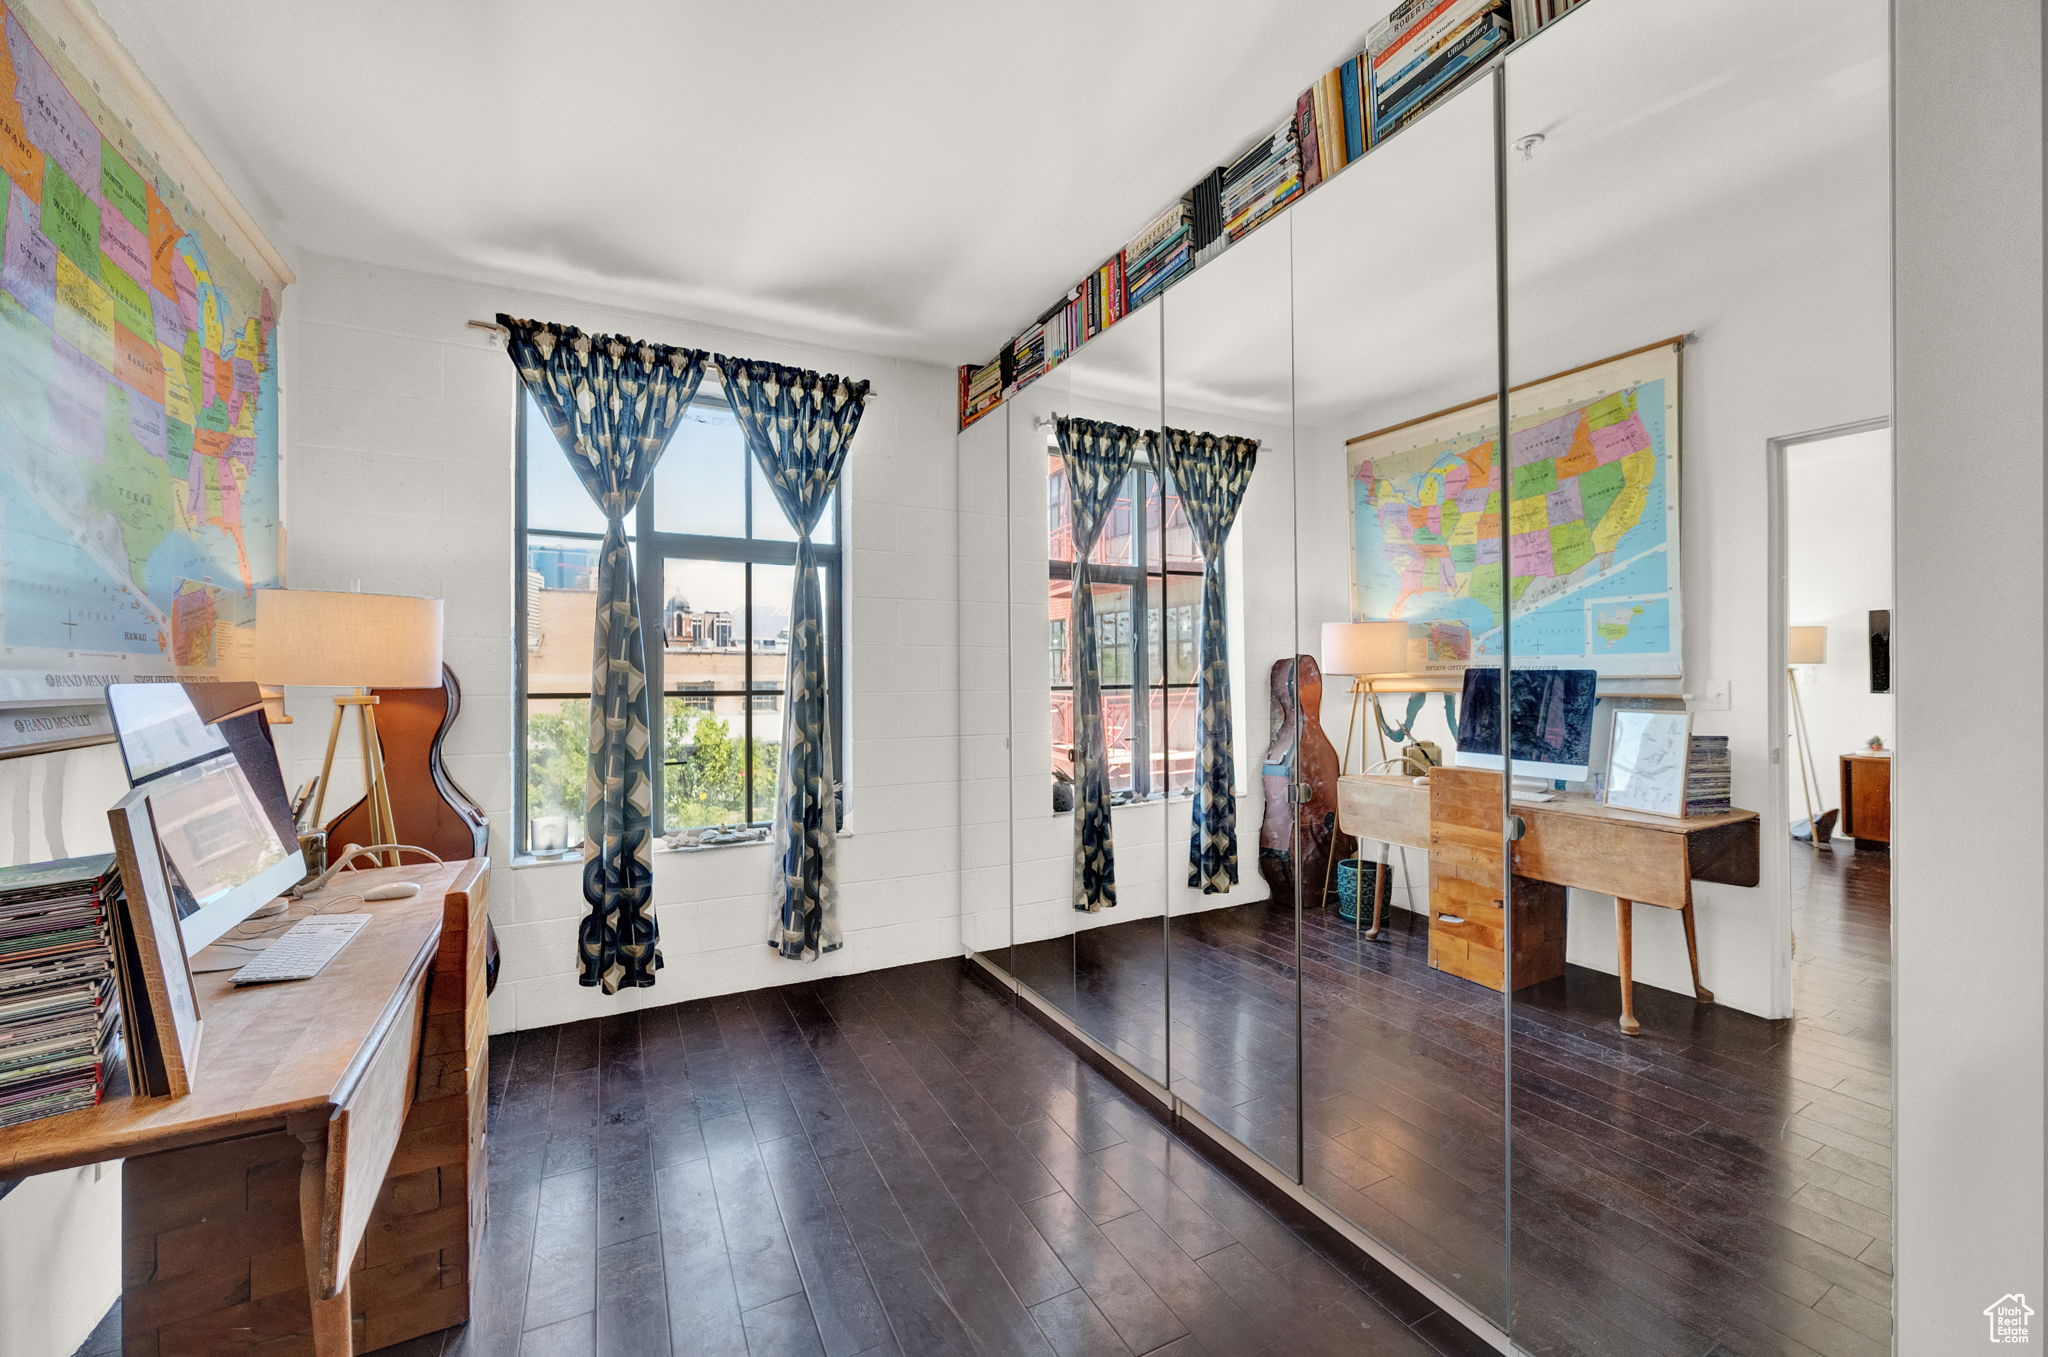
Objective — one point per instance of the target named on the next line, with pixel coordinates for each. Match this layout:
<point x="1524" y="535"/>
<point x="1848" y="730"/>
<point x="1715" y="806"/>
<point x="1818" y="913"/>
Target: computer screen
<point x="158" y="729"/>
<point x="1551" y="721"/>
<point x="217" y="795"/>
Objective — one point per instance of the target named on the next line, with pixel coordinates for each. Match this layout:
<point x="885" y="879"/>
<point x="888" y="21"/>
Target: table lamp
<point x="1805" y="645"/>
<point x="310" y="638"/>
<point x="1364" y="650"/>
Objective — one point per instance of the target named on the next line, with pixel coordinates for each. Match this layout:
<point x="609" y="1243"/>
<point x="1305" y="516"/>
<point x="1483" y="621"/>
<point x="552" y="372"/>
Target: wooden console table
<point x="321" y="1189"/>
<point x="1636" y="858"/>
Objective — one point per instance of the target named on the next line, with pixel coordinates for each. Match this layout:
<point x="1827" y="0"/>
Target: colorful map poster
<point x="1588" y="572"/>
<point x="139" y="506"/>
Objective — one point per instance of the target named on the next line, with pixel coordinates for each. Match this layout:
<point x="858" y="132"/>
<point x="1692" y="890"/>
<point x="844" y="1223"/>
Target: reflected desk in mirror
<point x="1637" y="858"/>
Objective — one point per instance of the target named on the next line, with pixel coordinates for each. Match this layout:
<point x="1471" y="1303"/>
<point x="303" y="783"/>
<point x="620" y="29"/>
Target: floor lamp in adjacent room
<point x="310" y="638"/>
<point x="1366" y="651"/>
<point x="1806" y="645"/>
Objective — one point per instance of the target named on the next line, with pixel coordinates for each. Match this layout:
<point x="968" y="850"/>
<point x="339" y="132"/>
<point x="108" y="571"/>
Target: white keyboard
<point x="303" y="950"/>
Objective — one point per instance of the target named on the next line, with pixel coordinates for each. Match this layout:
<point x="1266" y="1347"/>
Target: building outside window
<point x="716" y="563"/>
<point x="1147" y="573"/>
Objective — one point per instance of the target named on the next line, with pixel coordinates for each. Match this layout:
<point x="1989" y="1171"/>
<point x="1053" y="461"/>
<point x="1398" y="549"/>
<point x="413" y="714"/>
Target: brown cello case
<point x="1300" y="755"/>
<point x="429" y="810"/>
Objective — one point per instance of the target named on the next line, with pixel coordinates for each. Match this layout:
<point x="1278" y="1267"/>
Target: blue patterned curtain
<point x="1097" y="458"/>
<point x="613" y="404"/>
<point x="799" y="426"/>
<point x="1211" y="472"/>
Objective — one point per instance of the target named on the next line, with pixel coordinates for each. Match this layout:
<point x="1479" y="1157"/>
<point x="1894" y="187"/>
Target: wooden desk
<point x="1867" y="799"/>
<point x="1634" y="857"/>
<point x="321" y="1189"/>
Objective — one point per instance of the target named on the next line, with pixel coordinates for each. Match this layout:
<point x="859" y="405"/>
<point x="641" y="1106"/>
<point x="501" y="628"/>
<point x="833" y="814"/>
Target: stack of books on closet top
<point x="1160" y="253"/>
<point x="1264" y="180"/>
<point x="1423" y="50"/>
<point x="59" y="1013"/>
<point x="981" y="390"/>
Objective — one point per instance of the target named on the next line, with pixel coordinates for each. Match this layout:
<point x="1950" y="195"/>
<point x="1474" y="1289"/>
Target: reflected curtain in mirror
<point x="1097" y="457"/>
<point x="1211" y="472"/>
<point x="613" y="404"/>
<point x="799" y="426"/>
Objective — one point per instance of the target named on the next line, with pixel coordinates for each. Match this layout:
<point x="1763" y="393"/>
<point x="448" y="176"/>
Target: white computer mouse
<point x="396" y="890"/>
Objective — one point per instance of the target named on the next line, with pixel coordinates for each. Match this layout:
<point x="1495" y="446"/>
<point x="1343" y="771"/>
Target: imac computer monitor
<point x="216" y="794"/>
<point x="1551" y="722"/>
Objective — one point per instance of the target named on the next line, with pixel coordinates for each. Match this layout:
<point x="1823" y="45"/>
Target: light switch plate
<point x="1712" y="695"/>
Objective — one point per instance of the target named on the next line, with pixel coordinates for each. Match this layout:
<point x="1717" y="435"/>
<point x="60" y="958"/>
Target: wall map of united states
<point x="139" y="499"/>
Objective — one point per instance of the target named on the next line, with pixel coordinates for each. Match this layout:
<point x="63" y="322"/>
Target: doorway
<point x="1834" y="543"/>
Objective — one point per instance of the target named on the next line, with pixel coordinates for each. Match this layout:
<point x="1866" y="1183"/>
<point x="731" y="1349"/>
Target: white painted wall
<point x="401" y="453"/>
<point x="1967" y="862"/>
<point x="1838" y="566"/>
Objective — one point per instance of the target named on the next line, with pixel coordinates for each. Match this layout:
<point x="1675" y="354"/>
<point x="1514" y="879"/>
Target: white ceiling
<point x="917" y="178"/>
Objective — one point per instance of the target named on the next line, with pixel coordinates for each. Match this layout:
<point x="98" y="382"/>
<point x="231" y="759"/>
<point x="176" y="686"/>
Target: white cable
<point x="350" y="854"/>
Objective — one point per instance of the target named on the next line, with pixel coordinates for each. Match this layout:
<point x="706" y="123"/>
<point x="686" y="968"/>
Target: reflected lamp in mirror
<point x="1806" y="645"/>
<point x="312" y="638"/>
<point x="1366" y="651"/>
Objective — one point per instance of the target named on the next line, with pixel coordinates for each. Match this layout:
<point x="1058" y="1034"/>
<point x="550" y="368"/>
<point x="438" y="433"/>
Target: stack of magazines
<point x="1423" y="51"/>
<point x="59" y="1014"/>
<point x="1205" y="201"/>
<point x="1707" y="789"/>
<point x="1160" y="253"/>
<point x="1264" y="180"/>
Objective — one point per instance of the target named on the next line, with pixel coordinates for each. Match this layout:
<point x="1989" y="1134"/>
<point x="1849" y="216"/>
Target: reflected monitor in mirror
<point x="1551" y="720"/>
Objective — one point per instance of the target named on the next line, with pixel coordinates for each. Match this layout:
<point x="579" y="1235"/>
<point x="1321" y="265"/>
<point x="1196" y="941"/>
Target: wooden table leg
<point x="1625" y="952"/>
<point x="333" y="1334"/>
<point x="1379" y="896"/>
<point x="1692" y="954"/>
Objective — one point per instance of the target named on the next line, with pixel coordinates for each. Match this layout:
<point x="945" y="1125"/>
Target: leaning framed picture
<point x="156" y="979"/>
<point x="1646" y="761"/>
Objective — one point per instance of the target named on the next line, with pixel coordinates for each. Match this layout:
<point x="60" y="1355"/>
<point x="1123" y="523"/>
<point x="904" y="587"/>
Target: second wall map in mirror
<point x="138" y="403"/>
<point x="1591" y="503"/>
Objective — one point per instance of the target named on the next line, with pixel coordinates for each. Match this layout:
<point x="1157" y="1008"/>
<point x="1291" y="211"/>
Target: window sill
<point x="1161" y="799"/>
<point x="574" y="857"/>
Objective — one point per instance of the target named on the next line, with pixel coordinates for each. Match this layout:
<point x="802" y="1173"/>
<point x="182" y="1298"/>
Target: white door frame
<point x="1779" y="802"/>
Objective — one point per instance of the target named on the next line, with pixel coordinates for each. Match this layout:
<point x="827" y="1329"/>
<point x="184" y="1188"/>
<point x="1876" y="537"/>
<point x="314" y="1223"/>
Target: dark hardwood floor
<point x="891" y="1163"/>
<point x="1718" y="1185"/>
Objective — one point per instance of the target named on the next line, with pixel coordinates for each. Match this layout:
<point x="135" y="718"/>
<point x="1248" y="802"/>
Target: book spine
<point x="1354" y="124"/>
<point x="1305" y="133"/>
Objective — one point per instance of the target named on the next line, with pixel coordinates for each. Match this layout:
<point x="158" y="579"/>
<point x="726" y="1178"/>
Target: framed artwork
<point x="1587" y="498"/>
<point x="1880" y="650"/>
<point x="157" y="983"/>
<point x="1646" y="761"/>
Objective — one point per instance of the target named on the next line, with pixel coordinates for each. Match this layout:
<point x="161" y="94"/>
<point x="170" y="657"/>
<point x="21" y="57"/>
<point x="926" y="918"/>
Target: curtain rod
<point x="504" y="333"/>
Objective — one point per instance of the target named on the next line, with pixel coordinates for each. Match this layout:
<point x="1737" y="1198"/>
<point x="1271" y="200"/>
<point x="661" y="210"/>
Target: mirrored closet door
<point x="1697" y="267"/>
<point x="1090" y="761"/>
<point x="1401" y="578"/>
<point x="1223" y="704"/>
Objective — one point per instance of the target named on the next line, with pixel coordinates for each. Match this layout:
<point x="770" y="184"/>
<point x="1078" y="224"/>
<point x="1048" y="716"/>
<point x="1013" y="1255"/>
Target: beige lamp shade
<point x="1806" y="645"/>
<point x="1365" y="648"/>
<point x="311" y="638"/>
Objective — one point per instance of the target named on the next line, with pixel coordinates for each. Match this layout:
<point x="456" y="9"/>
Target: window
<point x="716" y="562"/>
<point x="1147" y="583"/>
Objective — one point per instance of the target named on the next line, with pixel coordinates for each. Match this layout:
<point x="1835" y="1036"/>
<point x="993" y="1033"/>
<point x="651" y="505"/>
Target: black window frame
<point x="652" y="550"/>
<point x="1139" y="577"/>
